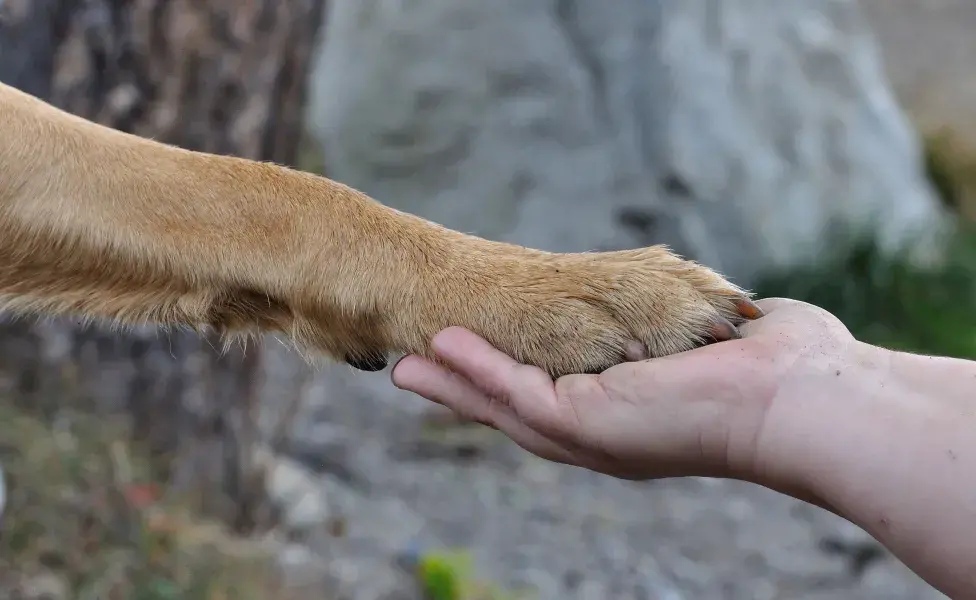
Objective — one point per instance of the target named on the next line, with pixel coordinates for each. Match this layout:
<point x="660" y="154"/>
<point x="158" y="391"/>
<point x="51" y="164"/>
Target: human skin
<point x="881" y="438"/>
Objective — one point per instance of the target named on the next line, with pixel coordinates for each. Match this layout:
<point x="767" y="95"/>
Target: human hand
<point x="700" y="412"/>
<point x="797" y="405"/>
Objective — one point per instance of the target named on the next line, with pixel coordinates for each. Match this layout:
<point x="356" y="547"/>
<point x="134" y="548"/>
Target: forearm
<point x="898" y="458"/>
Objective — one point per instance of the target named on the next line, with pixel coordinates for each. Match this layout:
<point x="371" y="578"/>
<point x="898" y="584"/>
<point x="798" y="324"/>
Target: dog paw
<point x="584" y="313"/>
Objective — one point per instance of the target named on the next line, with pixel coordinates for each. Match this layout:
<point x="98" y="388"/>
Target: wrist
<point x="815" y="425"/>
<point x="891" y="450"/>
<point x="841" y="432"/>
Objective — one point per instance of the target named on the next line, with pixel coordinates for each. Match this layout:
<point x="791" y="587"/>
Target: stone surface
<point x="743" y="133"/>
<point x="294" y="490"/>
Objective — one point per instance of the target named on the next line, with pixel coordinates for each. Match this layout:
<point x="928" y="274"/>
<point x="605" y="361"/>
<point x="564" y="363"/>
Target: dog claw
<point x="371" y="364"/>
<point x="749" y="309"/>
<point x="723" y="330"/>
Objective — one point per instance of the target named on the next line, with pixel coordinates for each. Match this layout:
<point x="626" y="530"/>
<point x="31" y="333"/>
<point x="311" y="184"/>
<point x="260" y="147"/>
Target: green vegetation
<point x="886" y="302"/>
<point x="450" y="576"/>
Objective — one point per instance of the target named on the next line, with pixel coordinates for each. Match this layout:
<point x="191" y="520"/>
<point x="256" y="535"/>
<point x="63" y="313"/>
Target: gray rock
<point x="743" y="133"/>
<point x="294" y="490"/>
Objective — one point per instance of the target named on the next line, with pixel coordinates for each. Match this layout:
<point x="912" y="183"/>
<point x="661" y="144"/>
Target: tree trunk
<point x="222" y="76"/>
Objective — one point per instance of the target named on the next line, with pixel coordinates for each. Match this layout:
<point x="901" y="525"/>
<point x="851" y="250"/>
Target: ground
<point x="565" y="532"/>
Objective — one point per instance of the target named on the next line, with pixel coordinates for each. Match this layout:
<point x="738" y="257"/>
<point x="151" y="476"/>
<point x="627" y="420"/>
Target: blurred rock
<point x="854" y="545"/>
<point x="296" y="491"/>
<point x="743" y="133"/>
<point x="46" y="586"/>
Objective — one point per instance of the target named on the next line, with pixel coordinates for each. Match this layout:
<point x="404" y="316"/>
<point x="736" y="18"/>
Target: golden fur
<point x="102" y="224"/>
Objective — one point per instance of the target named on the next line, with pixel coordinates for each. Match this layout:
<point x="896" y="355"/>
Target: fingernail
<point x="723" y="330"/>
<point x="749" y="309"/>
<point x="397" y="364"/>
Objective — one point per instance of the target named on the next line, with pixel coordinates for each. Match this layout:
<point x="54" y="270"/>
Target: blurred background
<point x="818" y="149"/>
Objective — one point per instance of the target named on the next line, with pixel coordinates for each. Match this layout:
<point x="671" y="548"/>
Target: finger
<point x="438" y="384"/>
<point x="535" y="442"/>
<point x="489" y="369"/>
<point x="529" y="391"/>
<point x="784" y="312"/>
<point x="768" y="305"/>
